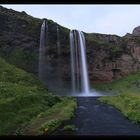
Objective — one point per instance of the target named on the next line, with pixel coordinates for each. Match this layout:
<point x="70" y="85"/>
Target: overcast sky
<point x="108" y="19"/>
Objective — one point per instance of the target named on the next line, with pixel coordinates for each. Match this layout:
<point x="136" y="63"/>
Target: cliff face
<point x="109" y="56"/>
<point x="20" y="38"/>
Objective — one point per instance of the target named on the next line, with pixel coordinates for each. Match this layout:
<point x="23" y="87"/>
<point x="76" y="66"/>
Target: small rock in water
<point x="76" y="129"/>
<point x="82" y="107"/>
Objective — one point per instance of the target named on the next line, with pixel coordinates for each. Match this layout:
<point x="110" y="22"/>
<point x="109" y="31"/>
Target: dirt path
<point x="96" y="118"/>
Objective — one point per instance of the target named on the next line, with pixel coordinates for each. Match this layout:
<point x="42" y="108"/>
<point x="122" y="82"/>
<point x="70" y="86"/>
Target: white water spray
<point x="42" y="50"/>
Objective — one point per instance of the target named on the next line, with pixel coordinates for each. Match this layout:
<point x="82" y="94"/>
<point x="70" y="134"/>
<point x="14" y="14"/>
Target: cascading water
<point x="58" y="41"/>
<point x="51" y="61"/>
<point x="79" y="73"/>
<point x="42" y="50"/>
<point x="59" y="61"/>
<point x="51" y="64"/>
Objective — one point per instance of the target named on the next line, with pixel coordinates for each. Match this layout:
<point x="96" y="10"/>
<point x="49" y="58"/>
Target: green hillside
<point x="24" y="100"/>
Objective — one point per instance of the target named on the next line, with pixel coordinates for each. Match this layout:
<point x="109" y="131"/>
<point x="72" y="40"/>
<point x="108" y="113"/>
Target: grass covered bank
<point x="24" y="99"/>
<point x="128" y="98"/>
<point x="128" y="84"/>
<point x="128" y="104"/>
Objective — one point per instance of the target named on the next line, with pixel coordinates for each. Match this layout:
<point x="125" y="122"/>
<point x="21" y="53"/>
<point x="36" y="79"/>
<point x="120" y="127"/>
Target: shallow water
<point x="96" y="118"/>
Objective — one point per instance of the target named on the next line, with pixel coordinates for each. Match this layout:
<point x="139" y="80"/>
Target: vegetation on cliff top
<point x="113" y="44"/>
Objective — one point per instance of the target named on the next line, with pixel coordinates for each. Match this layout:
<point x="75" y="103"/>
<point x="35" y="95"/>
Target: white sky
<point x="108" y="19"/>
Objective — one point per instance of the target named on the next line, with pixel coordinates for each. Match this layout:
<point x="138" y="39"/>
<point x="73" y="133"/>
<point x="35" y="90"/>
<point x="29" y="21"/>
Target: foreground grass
<point x="127" y="99"/>
<point x="23" y="98"/>
<point x="48" y="121"/>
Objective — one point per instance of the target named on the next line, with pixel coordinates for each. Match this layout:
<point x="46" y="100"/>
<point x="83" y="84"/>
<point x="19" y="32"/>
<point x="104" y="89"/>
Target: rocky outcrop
<point x="136" y="31"/>
<point x="112" y="57"/>
<point x="109" y="56"/>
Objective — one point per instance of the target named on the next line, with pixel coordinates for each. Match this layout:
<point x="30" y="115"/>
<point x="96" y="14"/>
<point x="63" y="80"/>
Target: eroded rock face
<point x="101" y="76"/>
<point x="111" y="57"/>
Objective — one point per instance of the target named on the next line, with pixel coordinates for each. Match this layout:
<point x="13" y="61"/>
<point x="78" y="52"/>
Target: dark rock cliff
<point x="20" y="38"/>
<point x="109" y="56"/>
<point x="102" y="55"/>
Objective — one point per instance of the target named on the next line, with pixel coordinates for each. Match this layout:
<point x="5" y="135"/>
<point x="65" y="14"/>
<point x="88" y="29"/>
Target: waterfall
<point x="79" y="72"/>
<point x="58" y="41"/>
<point x="59" y="64"/>
<point x="42" y="50"/>
<point x="51" y="64"/>
<point x="50" y="67"/>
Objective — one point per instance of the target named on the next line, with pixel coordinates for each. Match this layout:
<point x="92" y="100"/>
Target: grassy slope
<point x="23" y="99"/>
<point x="129" y="84"/>
<point x="128" y="99"/>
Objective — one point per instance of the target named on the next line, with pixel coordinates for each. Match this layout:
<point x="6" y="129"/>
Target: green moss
<point x="69" y="128"/>
<point x="115" y="49"/>
<point x="50" y="125"/>
<point x="100" y="41"/>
